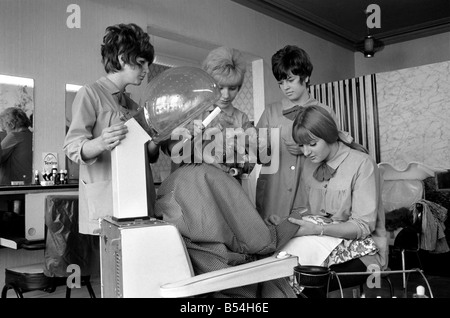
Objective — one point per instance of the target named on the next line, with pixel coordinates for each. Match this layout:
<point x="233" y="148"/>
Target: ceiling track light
<point x="369" y="45"/>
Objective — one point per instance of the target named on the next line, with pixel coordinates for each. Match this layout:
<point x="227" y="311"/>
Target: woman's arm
<point x="364" y="207"/>
<point x="366" y="197"/>
<point x="107" y="141"/>
<point x="80" y="144"/>
<point x="346" y="230"/>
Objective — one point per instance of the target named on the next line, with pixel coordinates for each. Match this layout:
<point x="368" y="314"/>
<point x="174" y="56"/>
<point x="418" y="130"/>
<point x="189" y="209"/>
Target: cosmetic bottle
<point x="36" y="177"/>
<point x="61" y="177"/>
<point x="420" y="292"/>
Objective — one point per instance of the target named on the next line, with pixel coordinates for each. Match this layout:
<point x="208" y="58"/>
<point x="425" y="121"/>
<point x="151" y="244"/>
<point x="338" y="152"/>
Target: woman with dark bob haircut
<point x="97" y="126"/>
<point x="342" y="187"/>
<point x="278" y="192"/>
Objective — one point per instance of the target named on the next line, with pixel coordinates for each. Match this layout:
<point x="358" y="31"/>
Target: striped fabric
<point x="355" y="103"/>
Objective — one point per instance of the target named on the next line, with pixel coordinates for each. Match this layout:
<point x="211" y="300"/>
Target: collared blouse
<point x="353" y="194"/>
<point x="278" y="192"/>
<point x="95" y="107"/>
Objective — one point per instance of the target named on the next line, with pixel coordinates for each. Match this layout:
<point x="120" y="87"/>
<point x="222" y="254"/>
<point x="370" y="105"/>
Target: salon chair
<point x="148" y="259"/>
<point x="401" y="190"/>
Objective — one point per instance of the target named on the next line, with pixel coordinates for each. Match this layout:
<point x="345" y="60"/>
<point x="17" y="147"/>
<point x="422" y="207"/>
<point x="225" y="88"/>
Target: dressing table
<point x="25" y="227"/>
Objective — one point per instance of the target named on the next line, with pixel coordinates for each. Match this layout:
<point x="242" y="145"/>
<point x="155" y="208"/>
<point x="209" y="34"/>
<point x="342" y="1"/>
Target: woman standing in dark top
<point x="16" y="147"/>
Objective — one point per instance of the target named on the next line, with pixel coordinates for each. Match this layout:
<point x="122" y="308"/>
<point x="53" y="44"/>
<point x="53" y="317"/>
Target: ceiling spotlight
<point x="369" y="45"/>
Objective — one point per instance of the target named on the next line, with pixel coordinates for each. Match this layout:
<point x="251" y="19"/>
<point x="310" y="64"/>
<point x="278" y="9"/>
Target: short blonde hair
<point x="226" y="65"/>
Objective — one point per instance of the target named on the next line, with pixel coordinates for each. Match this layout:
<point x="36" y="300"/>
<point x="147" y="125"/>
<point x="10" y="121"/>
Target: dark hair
<point x="291" y="59"/>
<point x="130" y="41"/>
<point x="16" y="116"/>
<point x="316" y="122"/>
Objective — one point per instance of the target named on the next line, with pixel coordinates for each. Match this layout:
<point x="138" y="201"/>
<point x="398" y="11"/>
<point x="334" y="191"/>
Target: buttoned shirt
<point x="95" y="107"/>
<point x="353" y="195"/>
<point x="278" y="193"/>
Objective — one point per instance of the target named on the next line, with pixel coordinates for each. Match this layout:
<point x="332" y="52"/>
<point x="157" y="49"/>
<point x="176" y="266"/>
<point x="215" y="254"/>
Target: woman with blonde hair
<point x="227" y="66"/>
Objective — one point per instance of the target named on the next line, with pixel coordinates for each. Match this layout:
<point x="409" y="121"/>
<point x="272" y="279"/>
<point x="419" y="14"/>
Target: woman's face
<point x="293" y="89"/>
<point x="135" y="74"/>
<point x="228" y="94"/>
<point x="317" y="150"/>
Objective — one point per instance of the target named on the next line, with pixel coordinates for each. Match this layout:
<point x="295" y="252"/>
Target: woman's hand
<point x="306" y="227"/>
<point x="223" y="121"/>
<point x="273" y="219"/>
<point x="227" y="120"/>
<point x="111" y="136"/>
<point x="293" y="147"/>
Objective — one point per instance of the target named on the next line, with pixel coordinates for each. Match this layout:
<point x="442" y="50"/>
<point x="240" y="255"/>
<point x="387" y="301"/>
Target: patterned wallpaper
<point x="244" y="101"/>
<point x="414" y="115"/>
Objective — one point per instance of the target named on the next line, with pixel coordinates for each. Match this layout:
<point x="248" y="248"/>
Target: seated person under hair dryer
<point x="342" y="188"/>
<point x="227" y="66"/>
<point x="220" y="232"/>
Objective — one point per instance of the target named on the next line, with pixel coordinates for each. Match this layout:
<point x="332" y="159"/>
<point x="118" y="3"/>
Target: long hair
<point x="314" y="122"/>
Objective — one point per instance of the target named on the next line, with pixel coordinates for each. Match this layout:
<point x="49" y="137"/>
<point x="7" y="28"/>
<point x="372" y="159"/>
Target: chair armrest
<point x="254" y="272"/>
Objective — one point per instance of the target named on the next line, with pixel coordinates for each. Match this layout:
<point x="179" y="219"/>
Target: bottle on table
<point x="420" y="292"/>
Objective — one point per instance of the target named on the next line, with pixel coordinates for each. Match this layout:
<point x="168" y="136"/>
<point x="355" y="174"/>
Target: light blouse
<point x="96" y="107"/>
<point x="353" y="195"/>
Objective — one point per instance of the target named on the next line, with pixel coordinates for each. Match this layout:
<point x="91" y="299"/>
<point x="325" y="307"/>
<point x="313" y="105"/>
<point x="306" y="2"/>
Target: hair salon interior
<point x="382" y="65"/>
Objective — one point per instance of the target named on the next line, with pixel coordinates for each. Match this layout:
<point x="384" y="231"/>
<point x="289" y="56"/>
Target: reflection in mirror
<point x="16" y="130"/>
<point x="72" y="167"/>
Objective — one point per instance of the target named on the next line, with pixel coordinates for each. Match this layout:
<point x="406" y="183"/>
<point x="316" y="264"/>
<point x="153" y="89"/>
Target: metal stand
<point x="403" y="272"/>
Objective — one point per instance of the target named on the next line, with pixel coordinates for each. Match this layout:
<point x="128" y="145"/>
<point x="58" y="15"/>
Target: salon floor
<point x="436" y="270"/>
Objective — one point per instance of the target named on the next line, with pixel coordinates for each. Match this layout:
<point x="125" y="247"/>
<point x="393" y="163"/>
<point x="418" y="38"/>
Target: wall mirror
<point x="16" y="167"/>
